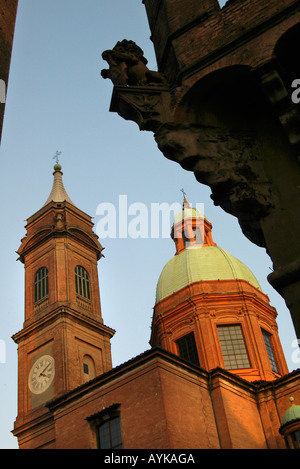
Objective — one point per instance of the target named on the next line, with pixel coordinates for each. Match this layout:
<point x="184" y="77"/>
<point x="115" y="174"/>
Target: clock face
<point x="41" y="374"/>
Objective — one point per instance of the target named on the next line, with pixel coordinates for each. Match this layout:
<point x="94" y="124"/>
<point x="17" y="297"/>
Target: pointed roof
<point x="58" y="192"/>
<point x="185" y="204"/>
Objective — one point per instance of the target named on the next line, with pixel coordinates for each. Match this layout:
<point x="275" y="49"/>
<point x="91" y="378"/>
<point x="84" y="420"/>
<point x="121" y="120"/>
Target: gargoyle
<point x="128" y="66"/>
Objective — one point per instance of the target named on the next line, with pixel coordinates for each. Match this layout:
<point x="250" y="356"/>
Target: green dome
<point x="198" y="264"/>
<point x="293" y="413"/>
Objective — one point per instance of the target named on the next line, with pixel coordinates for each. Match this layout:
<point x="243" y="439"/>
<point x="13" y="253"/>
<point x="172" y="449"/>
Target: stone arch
<point x="229" y="97"/>
<point x="285" y="55"/>
<point x="89" y="368"/>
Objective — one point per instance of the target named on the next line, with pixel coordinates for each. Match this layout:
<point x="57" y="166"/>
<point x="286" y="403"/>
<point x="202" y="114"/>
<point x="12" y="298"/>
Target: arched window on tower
<point x="89" y="370"/>
<point x="82" y="282"/>
<point x="41" y="284"/>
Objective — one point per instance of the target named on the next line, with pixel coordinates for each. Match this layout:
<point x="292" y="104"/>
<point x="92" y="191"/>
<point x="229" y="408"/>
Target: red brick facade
<point x="8" y="12"/>
<point x="165" y="403"/>
<point x="203" y="37"/>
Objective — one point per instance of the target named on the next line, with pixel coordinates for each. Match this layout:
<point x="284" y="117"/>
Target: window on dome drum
<point x="41" y="284"/>
<point x="82" y="282"/>
<point x="233" y="347"/>
<point x="270" y="351"/>
<point x="198" y="235"/>
<point x="186" y="241"/>
<point x="294" y="441"/>
<point x="187" y="349"/>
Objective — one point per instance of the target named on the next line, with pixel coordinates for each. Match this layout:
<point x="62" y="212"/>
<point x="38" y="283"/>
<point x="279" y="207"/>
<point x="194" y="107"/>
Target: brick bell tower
<point x="210" y="308"/>
<point x="63" y="342"/>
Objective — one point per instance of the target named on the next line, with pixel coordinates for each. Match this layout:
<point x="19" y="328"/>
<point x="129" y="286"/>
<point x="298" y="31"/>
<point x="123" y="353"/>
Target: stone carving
<point x="287" y="112"/>
<point x="227" y="161"/>
<point x="128" y="66"/>
<point x="148" y="107"/>
<point x="59" y="221"/>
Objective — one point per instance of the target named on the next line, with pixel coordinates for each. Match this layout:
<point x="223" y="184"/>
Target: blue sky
<point x="57" y="100"/>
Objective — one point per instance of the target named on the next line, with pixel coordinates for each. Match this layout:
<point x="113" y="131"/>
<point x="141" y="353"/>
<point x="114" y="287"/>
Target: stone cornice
<point x="35" y="324"/>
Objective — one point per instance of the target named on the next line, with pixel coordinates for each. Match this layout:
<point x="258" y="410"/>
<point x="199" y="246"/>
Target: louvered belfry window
<point x="41" y="284"/>
<point x="82" y="282"/>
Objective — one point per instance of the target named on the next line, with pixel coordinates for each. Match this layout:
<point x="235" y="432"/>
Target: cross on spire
<point x="56" y="156"/>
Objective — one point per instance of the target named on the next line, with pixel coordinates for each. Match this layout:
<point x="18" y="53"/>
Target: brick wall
<point x="186" y="33"/>
<point x="8" y="10"/>
<point x="167" y="405"/>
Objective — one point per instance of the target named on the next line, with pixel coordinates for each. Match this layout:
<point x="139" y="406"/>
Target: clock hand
<point x="42" y="373"/>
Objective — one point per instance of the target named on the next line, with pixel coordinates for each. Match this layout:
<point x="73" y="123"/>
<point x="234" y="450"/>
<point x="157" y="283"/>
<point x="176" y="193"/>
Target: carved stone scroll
<point x="148" y="107"/>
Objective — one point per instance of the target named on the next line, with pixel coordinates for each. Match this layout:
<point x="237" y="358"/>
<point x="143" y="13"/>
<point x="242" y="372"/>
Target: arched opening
<point x="89" y="369"/>
<point x="82" y="282"/>
<point x="41" y="284"/>
<point x="230" y="98"/>
<point x="285" y="53"/>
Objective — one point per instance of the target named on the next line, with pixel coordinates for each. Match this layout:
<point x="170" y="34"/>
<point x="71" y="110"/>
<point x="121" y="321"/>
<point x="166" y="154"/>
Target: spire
<point x="185" y="203"/>
<point x="58" y="192"/>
